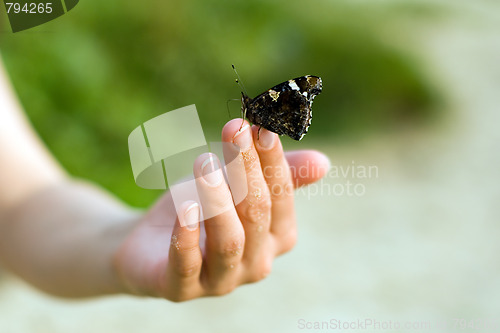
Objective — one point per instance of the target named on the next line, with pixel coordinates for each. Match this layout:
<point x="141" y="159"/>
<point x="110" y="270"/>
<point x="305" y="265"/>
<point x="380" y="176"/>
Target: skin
<point x="70" y="238"/>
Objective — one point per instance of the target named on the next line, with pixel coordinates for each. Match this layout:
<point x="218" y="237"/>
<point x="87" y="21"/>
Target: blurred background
<point x="88" y="79"/>
<point x="410" y="88"/>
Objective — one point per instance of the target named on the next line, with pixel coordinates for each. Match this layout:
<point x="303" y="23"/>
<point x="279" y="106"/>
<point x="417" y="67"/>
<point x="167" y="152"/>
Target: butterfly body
<point x="284" y="109"/>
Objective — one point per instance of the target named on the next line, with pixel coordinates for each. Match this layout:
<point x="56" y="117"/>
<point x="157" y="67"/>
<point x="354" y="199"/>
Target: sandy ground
<point x="419" y="247"/>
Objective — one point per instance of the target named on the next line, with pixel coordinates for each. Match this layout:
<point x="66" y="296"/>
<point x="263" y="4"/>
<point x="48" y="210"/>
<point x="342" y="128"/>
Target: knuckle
<point x="258" y="195"/>
<point x="258" y="209"/>
<point x="187" y="270"/>
<point x="232" y="248"/>
<point x="184" y="247"/>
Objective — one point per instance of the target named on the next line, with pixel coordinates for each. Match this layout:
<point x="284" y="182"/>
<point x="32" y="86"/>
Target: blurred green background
<point x="89" y="78"/>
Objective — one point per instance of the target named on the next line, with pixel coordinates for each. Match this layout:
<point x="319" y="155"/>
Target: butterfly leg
<point x="258" y="132"/>
<point x="243" y="115"/>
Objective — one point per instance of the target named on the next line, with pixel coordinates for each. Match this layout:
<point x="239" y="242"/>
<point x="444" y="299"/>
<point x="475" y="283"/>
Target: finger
<point x="185" y="258"/>
<point x="225" y="235"/>
<point x="278" y="177"/>
<point x="307" y="166"/>
<point x="255" y="210"/>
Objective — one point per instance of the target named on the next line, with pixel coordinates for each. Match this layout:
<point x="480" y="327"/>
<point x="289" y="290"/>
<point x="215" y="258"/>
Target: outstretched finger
<point x="307" y="166"/>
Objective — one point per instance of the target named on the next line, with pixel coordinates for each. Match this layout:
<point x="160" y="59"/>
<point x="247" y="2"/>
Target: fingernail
<point x="266" y="138"/>
<point x="211" y="171"/>
<point x="243" y="138"/>
<point x="192" y="216"/>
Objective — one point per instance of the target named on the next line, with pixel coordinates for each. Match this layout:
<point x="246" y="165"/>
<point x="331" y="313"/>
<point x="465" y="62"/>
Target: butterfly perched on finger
<point x="285" y="109"/>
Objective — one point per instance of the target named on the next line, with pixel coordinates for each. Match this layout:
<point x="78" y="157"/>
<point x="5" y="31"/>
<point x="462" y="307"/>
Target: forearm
<point x="55" y="233"/>
<point x="62" y="239"/>
<point x="26" y="166"/>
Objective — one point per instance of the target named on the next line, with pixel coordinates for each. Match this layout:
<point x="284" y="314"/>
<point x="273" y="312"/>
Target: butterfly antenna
<point x="242" y="86"/>
<point x="238" y="80"/>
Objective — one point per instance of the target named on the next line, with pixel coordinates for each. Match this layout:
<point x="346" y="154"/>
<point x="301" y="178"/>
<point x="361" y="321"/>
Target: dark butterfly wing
<point x="285" y="108"/>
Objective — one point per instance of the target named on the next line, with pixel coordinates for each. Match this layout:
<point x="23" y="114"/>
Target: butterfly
<point x="284" y="109"/>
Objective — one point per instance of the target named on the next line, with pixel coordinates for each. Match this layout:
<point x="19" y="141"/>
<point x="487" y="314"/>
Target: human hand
<point x="163" y="259"/>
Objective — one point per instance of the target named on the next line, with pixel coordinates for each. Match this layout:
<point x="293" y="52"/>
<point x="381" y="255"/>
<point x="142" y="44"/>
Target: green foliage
<point x="90" y="77"/>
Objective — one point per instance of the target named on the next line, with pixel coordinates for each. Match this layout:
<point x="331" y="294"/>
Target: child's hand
<point x="161" y="258"/>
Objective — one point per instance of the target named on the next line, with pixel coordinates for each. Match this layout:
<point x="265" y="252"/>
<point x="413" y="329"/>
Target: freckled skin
<point x="247" y="156"/>
<point x="283" y="109"/>
<point x="175" y="242"/>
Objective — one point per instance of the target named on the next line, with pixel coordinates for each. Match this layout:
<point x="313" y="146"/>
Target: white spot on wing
<point x="274" y="95"/>
<point x="293" y="85"/>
